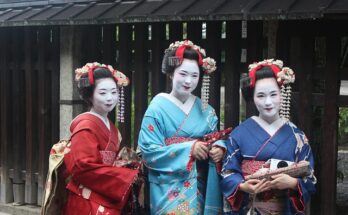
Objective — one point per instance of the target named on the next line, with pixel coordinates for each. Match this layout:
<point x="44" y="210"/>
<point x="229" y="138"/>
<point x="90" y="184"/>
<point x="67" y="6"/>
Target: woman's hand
<point x="283" y="181"/>
<point x="216" y="153"/>
<point x="254" y="186"/>
<point x="200" y="150"/>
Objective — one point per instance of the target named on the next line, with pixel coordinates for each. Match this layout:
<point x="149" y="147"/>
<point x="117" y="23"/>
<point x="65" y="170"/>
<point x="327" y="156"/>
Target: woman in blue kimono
<point x="260" y="142"/>
<point x="181" y="167"/>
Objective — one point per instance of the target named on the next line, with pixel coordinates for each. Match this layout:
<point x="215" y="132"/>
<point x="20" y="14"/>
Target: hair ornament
<point x="121" y="79"/>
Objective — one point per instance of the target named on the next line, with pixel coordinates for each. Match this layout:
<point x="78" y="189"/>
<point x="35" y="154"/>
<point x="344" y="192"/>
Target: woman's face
<point x="185" y="79"/>
<point x="105" y="96"/>
<point x="267" y="99"/>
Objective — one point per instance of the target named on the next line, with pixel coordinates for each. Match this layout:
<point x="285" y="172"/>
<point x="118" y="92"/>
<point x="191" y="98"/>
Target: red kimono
<point x="95" y="186"/>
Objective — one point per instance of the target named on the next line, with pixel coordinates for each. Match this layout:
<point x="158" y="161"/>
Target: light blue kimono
<point x="165" y="140"/>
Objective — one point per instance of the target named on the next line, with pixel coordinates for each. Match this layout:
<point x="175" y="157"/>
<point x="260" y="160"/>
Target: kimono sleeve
<point x="157" y="155"/>
<point x="306" y="185"/>
<point x="232" y="174"/>
<point x="85" y="164"/>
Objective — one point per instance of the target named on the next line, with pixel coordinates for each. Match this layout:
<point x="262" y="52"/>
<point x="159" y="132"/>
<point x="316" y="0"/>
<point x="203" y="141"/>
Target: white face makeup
<point x="267" y="99"/>
<point x="185" y="79"/>
<point x="105" y="96"/>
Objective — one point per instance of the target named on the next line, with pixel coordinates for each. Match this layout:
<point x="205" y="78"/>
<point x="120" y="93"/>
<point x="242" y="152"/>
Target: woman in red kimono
<point x="95" y="183"/>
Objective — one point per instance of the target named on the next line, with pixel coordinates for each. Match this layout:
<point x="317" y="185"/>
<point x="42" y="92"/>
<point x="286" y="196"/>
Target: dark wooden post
<point x="109" y="52"/>
<point x="54" y="68"/>
<point x="175" y="31"/>
<point x="109" y="44"/>
<point x="213" y="31"/>
<point x="302" y="61"/>
<point x="17" y="113"/>
<point x="141" y="77"/>
<point x="91" y="46"/>
<point x="30" y="185"/>
<point x="283" y="41"/>
<point x="232" y="71"/>
<point x="6" y="186"/>
<point x="328" y="149"/>
<point x="158" y="79"/>
<point x="43" y="38"/>
<point x="125" y="60"/>
<point x="194" y="32"/>
<point x="255" y="32"/>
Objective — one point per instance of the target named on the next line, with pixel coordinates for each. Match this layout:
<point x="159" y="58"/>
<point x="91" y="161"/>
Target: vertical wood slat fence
<point x="29" y="109"/>
<point x="29" y="85"/>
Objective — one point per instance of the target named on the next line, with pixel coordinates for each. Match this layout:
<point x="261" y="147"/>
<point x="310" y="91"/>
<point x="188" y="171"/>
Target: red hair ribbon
<point x="90" y="73"/>
<point x="252" y="74"/>
<point x="180" y="53"/>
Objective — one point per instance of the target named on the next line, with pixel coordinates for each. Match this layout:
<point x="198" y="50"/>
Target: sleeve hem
<point x="296" y="197"/>
<point x="235" y="199"/>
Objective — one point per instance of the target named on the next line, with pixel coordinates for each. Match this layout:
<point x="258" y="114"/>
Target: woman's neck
<point x="182" y="98"/>
<point x="271" y="119"/>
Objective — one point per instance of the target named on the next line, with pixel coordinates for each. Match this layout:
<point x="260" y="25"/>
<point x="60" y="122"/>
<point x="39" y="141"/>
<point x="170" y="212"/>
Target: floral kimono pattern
<point x="250" y="142"/>
<point x="178" y="183"/>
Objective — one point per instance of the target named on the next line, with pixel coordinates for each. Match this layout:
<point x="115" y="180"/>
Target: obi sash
<point x="266" y="203"/>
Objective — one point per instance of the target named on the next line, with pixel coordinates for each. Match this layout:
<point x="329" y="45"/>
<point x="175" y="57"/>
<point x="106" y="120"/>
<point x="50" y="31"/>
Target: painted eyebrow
<point x="107" y="89"/>
<point x="194" y="73"/>
<point x="273" y="91"/>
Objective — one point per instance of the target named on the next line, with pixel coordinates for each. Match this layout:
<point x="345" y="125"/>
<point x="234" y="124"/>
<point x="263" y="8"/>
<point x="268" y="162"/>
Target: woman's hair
<point x="188" y="54"/>
<point x="86" y="92"/>
<point x="264" y="72"/>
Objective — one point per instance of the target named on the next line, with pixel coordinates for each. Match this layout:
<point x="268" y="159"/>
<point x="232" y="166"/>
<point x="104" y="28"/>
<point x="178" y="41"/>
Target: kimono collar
<point x="272" y="128"/>
<point x="104" y="120"/>
<point x="186" y="106"/>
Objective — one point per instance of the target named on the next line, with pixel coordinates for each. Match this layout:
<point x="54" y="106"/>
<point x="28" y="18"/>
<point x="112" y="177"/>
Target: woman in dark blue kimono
<point x="260" y="141"/>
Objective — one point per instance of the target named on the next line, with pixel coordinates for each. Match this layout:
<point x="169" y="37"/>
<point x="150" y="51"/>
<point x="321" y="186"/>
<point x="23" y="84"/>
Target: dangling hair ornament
<point x="284" y="75"/>
<point x="86" y="81"/>
<point x="208" y="64"/>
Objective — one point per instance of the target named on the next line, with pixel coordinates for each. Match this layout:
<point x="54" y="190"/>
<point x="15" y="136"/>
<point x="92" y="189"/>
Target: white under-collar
<point x="185" y="107"/>
<point x="272" y="128"/>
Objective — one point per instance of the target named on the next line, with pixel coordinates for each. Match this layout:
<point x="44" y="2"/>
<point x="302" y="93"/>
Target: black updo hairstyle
<point x="189" y="53"/>
<point x="247" y="91"/>
<point x="86" y="92"/>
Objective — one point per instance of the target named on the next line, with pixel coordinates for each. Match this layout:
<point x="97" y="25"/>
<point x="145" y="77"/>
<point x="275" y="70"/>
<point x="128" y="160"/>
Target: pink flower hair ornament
<point x="120" y="78"/>
<point x="208" y="64"/>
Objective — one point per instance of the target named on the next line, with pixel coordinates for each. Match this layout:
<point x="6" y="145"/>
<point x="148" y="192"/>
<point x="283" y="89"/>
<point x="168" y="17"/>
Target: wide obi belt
<point x="266" y="203"/>
<point x="176" y="140"/>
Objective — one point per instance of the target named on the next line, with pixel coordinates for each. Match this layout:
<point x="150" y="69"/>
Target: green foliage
<point x="343" y="125"/>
